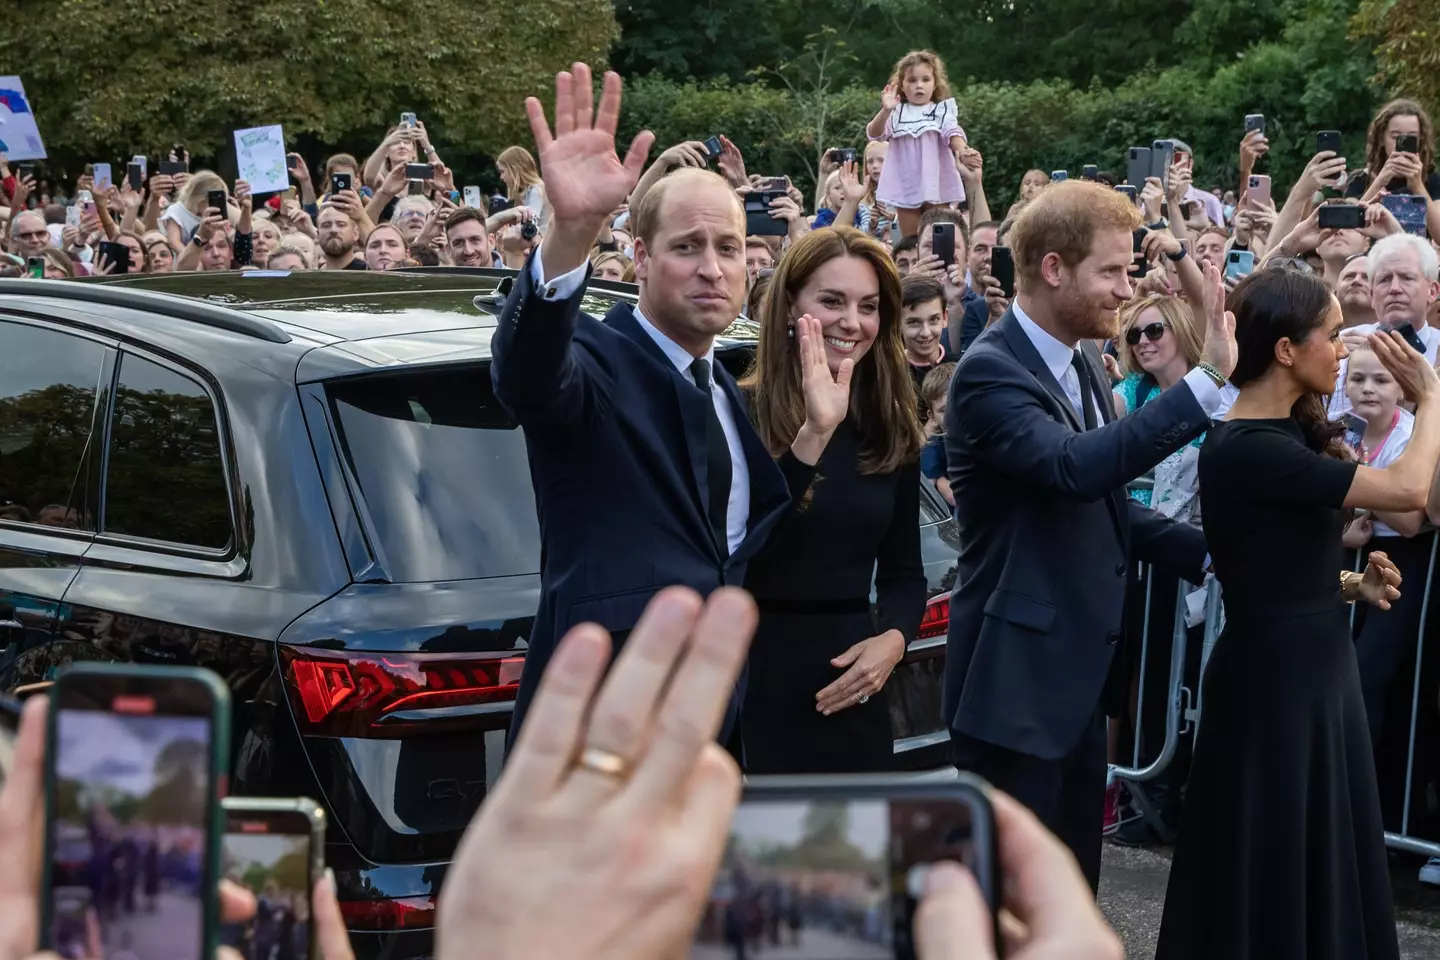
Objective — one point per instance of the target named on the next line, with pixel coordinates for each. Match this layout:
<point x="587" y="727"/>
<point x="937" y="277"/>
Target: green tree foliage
<point x="115" y="78"/>
<point x="1307" y="75"/>
<point x="1408" y="36"/>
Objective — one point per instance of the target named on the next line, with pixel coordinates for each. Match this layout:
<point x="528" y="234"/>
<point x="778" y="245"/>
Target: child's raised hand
<point x="850" y="182"/>
<point x="890" y="96"/>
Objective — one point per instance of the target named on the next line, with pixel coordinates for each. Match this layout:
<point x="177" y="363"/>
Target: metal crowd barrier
<point x="1185" y="707"/>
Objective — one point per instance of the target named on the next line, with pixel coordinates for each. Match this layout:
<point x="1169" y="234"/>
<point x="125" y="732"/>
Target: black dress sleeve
<point x="899" y="572"/>
<point x="1275" y="462"/>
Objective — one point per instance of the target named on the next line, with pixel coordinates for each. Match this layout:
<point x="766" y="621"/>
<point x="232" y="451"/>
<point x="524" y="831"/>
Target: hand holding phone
<point x="942" y="242"/>
<point x="1002" y="270"/>
<point x="1342" y="216"/>
<point x="339" y="182"/>
<point x="275" y="849"/>
<point x="134" y="760"/>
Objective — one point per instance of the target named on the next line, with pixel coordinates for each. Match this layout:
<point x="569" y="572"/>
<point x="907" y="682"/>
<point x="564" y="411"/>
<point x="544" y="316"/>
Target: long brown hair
<point x="937" y="67"/>
<point x="882" y="392"/>
<point x="1375" y="140"/>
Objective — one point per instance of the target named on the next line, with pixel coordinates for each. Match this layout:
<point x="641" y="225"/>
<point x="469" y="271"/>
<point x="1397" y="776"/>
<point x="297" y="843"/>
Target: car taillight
<point x="401" y="913"/>
<point x="341" y="693"/>
<point x="936" y="622"/>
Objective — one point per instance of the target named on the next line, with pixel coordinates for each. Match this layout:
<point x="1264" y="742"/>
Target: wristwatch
<point x="1178" y="255"/>
<point x="196" y="240"/>
<point x="1161" y="224"/>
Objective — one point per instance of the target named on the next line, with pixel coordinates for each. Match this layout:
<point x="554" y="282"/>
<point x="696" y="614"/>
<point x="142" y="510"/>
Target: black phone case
<point x="942" y="242"/>
<point x="1002" y="269"/>
<point x="1338" y="216"/>
<point x="1327" y="140"/>
<point x="964" y="788"/>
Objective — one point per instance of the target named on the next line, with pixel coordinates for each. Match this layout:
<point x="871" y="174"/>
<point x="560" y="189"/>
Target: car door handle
<point x="11" y="625"/>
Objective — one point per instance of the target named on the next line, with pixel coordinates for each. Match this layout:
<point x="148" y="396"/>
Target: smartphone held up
<point x="835" y="866"/>
<point x="274" y="848"/>
<point x="134" y="765"/>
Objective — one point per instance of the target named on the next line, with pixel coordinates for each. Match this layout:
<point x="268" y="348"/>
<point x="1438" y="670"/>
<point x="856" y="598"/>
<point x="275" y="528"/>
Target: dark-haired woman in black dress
<point x="1282" y="853"/>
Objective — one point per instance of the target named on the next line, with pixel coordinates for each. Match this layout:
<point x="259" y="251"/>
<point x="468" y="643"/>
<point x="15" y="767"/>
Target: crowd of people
<point x="1267" y="373"/>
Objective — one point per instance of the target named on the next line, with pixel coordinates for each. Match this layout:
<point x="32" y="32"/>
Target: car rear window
<point x="442" y="471"/>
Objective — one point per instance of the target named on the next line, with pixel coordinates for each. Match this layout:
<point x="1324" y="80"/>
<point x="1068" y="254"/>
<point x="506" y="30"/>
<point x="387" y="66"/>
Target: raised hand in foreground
<point x="604" y="834"/>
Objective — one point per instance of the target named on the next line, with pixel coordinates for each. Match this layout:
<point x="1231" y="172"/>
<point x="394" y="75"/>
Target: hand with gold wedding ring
<point x="615" y="801"/>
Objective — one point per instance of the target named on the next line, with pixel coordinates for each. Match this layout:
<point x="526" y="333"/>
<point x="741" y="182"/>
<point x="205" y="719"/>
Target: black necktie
<point x="1087" y="389"/>
<point x="717" y="460"/>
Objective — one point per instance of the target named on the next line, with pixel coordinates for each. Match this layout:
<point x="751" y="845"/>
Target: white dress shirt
<point x="737" y="512"/>
<point x="1057" y="357"/>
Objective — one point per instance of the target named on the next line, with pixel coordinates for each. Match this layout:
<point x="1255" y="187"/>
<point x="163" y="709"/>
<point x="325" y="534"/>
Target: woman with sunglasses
<point x="1159" y="344"/>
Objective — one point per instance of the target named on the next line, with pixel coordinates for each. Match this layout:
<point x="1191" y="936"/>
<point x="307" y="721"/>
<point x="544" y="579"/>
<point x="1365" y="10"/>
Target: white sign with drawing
<point x="260" y="158"/>
<point x="19" y="136"/>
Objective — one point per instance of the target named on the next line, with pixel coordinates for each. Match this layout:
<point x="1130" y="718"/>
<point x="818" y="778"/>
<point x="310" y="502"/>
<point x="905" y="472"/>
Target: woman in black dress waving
<point x="1281" y="853"/>
<point x="820" y="657"/>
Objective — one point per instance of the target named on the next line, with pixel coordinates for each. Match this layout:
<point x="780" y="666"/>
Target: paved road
<point x="815" y="945"/>
<point x="1132" y="893"/>
<point x="171" y="932"/>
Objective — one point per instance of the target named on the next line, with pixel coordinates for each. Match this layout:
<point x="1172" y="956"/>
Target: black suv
<point x="305" y="484"/>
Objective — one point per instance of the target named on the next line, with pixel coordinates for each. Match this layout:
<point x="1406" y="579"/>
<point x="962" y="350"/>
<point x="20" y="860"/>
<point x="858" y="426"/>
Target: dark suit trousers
<point x="1068" y="794"/>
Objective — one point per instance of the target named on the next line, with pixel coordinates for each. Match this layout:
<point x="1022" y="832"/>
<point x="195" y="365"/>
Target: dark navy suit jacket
<point x="1047" y="538"/>
<point x="616" y="442"/>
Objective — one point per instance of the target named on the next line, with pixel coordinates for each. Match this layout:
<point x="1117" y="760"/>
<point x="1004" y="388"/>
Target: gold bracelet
<point x="1348" y="577"/>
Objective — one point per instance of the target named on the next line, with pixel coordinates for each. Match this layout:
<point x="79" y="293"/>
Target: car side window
<point x="49" y="382"/>
<point x="165" y="477"/>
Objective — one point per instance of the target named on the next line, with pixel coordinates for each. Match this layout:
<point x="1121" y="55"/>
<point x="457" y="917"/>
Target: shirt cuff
<point x="1206" y="393"/>
<point x="562" y="287"/>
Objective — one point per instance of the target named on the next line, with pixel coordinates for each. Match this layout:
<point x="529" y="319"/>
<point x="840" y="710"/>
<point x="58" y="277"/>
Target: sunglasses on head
<point x="1152" y="332"/>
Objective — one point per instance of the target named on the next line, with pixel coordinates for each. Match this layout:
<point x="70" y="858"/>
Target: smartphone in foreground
<point x="215" y="200"/>
<point x="339" y="182"/>
<point x="35" y="267"/>
<point x="1255" y="121"/>
<point x="134" y="761"/>
<point x="472" y="198"/>
<point x="104" y="177"/>
<point x="1058" y="175"/>
<point x="820" y="868"/>
<point x="1090" y="171"/>
<point x="275" y="848"/>
<point x="1002" y="268"/>
<point x="713" y="148"/>
<point x="1328" y="140"/>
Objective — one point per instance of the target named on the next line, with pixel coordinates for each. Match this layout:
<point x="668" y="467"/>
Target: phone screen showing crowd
<point x="828" y="879"/>
<point x="130" y="809"/>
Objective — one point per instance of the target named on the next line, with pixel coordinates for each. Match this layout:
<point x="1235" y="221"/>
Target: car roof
<point x="343" y="321"/>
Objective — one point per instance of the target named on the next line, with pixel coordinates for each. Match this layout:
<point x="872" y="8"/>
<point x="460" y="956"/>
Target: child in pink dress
<point x="918" y="118"/>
